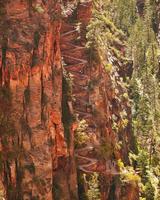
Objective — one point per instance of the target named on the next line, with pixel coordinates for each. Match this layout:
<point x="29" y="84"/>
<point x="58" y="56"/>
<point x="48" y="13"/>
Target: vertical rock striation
<point x="32" y="136"/>
<point x="42" y="104"/>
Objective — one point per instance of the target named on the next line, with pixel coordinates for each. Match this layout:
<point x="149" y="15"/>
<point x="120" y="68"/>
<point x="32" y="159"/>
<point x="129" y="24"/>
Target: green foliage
<point x="144" y="86"/>
<point x="81" y="137"/>
<point x="67" y="116"/>
<point x="145" y="91"/>
<point x="67" y="83"/>
<point x="118" y="125"/>
<point x="93" y="192"/>
<point x="106" y="149"/>
<point x="38" y="8"/>
<point x="67" y="8"/>
<point x="124" y="14"/>
<point x="108" y="67"/>
<point x="102" y="37"/>
<point x="128" y="174"/>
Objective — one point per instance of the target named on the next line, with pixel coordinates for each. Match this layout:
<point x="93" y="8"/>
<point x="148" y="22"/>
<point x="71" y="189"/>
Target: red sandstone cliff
<point x="39" y="110"/>
<point x="32" y="136"/>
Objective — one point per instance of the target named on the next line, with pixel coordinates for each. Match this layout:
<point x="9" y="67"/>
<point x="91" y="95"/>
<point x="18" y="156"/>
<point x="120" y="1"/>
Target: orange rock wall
<point x="37" y="161"/>
<point x="31" y="72"/>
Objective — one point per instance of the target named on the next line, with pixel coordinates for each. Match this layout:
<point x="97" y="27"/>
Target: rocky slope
<point x="95" y="101"/>
<point x="50" y="83"/>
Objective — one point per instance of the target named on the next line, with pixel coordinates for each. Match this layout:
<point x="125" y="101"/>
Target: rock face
<point x="40" y="110"/>
<point x="32" y="136"/>
<point x="95" y="101"/>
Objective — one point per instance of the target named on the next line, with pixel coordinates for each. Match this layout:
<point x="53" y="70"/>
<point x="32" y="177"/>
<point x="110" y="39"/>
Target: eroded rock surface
<point x="39" y="114"/>
<point x="31" y="79"/>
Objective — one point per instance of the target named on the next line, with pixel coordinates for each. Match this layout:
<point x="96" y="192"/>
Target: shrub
<point x="93" y="192"/>
<point x="81" y="137"/>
